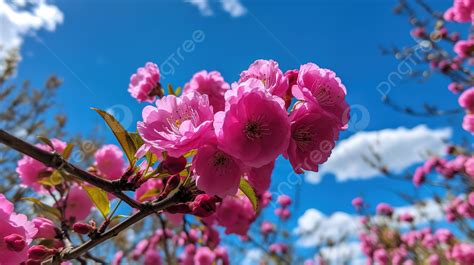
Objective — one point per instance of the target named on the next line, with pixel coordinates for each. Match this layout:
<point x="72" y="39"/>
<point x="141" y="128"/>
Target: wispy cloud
<point x="398" y="149"/>
<point x="315" y="228"/>
<point x="233" y="7"/>
<point x="20" y="18"/>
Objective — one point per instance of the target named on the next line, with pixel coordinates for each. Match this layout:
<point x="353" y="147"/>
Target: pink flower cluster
<point x="283" y="212"/>
<point x="144" y="84"/>
<point x="31" y="171"/>
<point x="466" y="100"/>
<point x="16" y="233"/>
<point x="240" y="130"/>
<point x="462" y="11"/>
<point x="460" y="208"/>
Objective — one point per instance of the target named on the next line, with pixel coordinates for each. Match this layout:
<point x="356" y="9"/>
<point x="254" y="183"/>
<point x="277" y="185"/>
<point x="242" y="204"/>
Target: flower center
<point x="254" y="129"/>
<point x="303" y="137"/>
<point x="220" y="159"/>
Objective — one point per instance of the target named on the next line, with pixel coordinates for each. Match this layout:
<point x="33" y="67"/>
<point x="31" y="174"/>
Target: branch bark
<point x="55" y="161"/>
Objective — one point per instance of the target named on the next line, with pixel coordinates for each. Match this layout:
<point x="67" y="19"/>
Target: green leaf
<point x="171" y="90"/>
<point x="99" y="198"/>
<point x="137" y="139"/>
<point x="44" y="209"/>
<point x="178" y="90"/>
<point x="46" y="141"/>
<point x="151" y="158"/>
<point x="56" y="178"/>
<point x="67" y="151"/>
<point x="149" y="194"/>
<point x="249" y="192"/>
<point x="123" y="137"/>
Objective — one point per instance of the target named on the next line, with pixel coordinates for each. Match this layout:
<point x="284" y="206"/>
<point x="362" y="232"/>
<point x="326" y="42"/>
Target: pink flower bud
<point x="172" y="165"/>
<point x="284" y="200"/>
<point x="39" y="252"/>
<point x="82" y="228"/>
<point x="15" y="242"/>
<point x="204" y="205"/>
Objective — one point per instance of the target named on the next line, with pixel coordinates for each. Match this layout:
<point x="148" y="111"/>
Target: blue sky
<point x="101" y="43"/>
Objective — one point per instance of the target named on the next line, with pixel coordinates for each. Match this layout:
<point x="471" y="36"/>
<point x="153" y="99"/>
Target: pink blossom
<point x="217" y="173"/>
<point x="109" y="162"/>
<point x="149" y="190"/>
<point x="381" y="256"/>
<point x="222" y="255"/>
<point x="31" y="170"/>
<point x="406" y="217"/>
<point x="16" y="233"/>
<point x="278" y="248"/>
<point x="468" y="123"/>
<point x="443" y="235"/>
<point x="177" y="124"/>
<point x="260" y="178"/>
<point x="265" y="199"/>
<point x="461" y="11"/>
<point x="284" y="200"/>
<point x="357" y="202"/>
<point x="152" y="257"/>
<point x="321" y="86"/>
<point x="255" y="128"/>
<point x="283" y="213"/>
<point x="463" y="253"/>
<point x="434" y="259"/>
<point x="144" y="84"/>
<point x="266" y="228"/>
<point x="46" y="228"/>
<point x="78" y="204"/>
<point x="204" y="256"/>
<point x="235" y="214"/>
<point x="469" y="167"/>
<point x="455" y="87"/>
<point x="211" y="84"/>
<point x="464" y="48"/>
<point x="418" y="32"/>
<point x="466" y="100"/>
<point x="187" y="257"/>
<point x="419" y="176"/>
<point x="117" y="258"/>
<point x="268" y="72"/>
<point x="384" y="209"/>
<point x="313" y="136"/>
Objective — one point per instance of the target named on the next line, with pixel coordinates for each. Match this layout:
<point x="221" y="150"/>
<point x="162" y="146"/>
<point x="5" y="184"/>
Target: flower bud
<point x="203" y="205"/>
<point x="33" y="262"/>
<point x="39" y="252"/>
<point x="15" y="242"/>
<point x="172" y="165"/>
<point x="82" y="228"/>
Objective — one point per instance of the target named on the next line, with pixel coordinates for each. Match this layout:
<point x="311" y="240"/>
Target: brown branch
<point x="114" y="231"/>
<point x="55" y="161"/>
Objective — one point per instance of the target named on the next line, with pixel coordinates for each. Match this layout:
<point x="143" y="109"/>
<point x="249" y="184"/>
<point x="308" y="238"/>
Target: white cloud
<point x="398" y="148"/>
<point x="343" y="253"/>
<point x="315" y="228"/>
<point x="253" y="256"/>
<point x="22" y="17"/>
<point x="233" y="7"/>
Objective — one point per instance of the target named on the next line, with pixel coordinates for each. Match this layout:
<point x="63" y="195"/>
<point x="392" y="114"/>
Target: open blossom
<point x="109" y="162"/>
<point x="461" y="11"/>
<point x="16" y="233"/>
<point x="260" y="178"/>
<point x="31" y="170"/>
<point x="204" y="256"/>
<point x="323" y="87"/>
<point x="211" y="84"/>
<point x="144" y="84"/>
<point x="235" y="214"/>
<point x="284" y="200"/>
<point x="255" y="128"/>
<point x="464" y="48"/>
<point x="46" y="228"/>
<point x="313" y="136"/>
<point x="468" y="123"/>
<point x="384" y="209"/>
<point x="270" y="74"/>
<point x="217" y="173"/>
<point x="152" y="257"/>
<point x="177" y="124"/>
<point x="466" y="100"/>
<point x="357" y="202"/>
<point x="78" y="204"/>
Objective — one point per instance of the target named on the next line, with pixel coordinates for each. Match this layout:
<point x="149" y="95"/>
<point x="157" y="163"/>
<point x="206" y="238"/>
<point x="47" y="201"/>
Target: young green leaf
<point x="249" y="192"/>
<point x="44" y="209"/>
<point x="123" y="137"/>
<point x="99" y="198"/>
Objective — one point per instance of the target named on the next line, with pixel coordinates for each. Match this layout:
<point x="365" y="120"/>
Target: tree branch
<point x="55" y="161"/>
